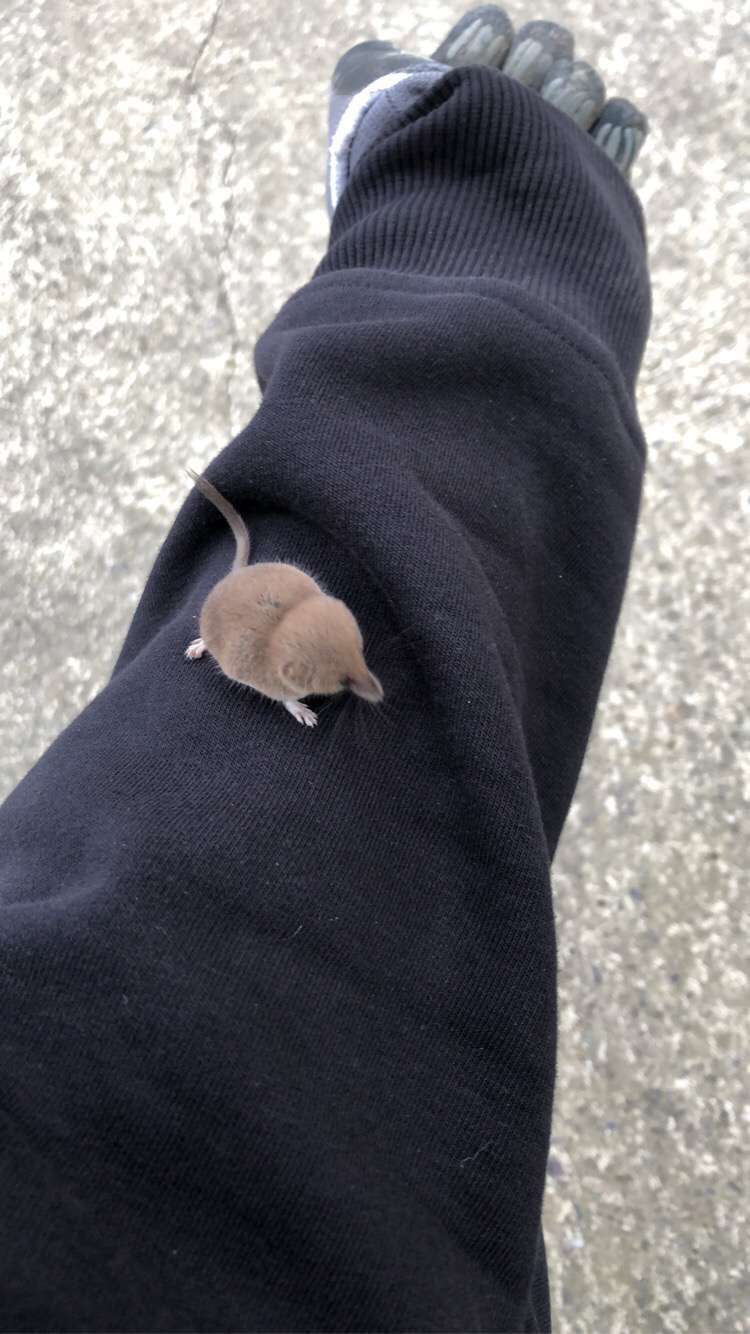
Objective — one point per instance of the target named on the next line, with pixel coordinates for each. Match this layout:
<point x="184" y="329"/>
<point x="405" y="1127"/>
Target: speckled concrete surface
<point x="160" y="194"/>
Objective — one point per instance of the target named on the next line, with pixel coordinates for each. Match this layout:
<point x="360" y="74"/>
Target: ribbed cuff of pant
<point x="484" y="179"/>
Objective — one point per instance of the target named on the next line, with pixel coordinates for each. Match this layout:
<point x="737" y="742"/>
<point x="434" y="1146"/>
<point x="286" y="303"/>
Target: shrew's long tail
<point x="237" y="524"/>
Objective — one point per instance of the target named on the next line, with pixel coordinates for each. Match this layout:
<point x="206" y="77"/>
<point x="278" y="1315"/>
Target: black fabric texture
<point x="277" y="1006"/>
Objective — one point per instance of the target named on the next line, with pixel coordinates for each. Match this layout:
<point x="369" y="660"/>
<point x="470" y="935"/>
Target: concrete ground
<point x="160" y="195"/>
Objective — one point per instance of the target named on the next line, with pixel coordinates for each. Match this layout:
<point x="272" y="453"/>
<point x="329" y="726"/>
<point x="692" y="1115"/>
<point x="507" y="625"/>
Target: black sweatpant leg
<point x="277" y="1017"/>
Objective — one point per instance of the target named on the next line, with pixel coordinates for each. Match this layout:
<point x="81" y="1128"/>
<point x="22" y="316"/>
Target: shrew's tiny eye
<point x="345" y="682"/>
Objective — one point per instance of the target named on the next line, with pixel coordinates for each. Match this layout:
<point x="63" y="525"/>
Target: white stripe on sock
<point x="338" y="151"/>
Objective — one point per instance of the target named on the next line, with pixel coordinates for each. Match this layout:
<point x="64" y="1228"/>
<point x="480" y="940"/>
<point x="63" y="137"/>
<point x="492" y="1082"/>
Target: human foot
<point x="374" y="82"/>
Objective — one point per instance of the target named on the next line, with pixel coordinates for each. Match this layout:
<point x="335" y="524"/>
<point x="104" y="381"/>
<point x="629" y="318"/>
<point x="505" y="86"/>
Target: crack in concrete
<point x="190" y="82"/>
<point x="223" y="299"/>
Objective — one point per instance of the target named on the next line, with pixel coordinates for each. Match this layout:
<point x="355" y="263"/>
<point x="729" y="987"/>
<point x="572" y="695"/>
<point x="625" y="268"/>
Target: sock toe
<point x="536" y="48"/>
<point x="482" y="36"/>
<point x="364" y="63"/>
<point x="575" y="88"/>
<point x="621" y="132"/>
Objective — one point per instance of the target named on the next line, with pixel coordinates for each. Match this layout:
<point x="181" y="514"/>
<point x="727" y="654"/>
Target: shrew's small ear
<point x="297" y="674"/>
<point x="287" y="673"/>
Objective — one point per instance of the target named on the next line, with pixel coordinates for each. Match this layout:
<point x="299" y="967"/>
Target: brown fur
<point x="271" y="627"/>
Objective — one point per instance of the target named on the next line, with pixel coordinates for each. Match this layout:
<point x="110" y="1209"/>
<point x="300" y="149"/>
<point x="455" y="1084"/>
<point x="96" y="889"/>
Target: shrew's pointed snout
<point x="366" y="686"/>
